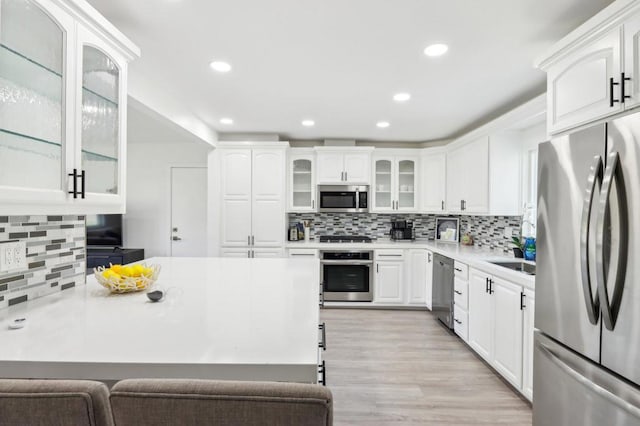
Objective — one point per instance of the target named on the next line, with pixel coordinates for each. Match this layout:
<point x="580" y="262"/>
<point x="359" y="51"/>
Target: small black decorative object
<point x="155" y="296"/>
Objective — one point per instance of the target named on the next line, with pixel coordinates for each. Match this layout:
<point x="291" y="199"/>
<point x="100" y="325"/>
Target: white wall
<point x="147" y="221"/>
<point x="531" y="138"/>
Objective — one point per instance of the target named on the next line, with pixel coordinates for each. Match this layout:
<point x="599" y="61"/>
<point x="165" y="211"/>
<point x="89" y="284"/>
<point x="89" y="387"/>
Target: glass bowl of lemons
<point x="126" y="279"/>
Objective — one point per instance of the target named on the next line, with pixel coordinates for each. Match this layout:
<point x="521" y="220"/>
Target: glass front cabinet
<point x="394" y="184"/>
<point x="302" y="185"/>
<point x="62" y="110"/>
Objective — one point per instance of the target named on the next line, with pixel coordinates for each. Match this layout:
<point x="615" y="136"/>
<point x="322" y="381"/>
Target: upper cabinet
<point x="62" y="121"/>
<point x="593" y="72"/>
<point x="433" y="166"/>
<point x="344" y="165"/>
<point x="395" y="182"/>
<point x="468" y="177"/>
<point x="302" y="187"/>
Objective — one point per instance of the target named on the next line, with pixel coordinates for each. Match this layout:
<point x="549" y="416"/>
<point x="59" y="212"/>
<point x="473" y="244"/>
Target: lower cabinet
<point x="303" y="253"/>
<point x="429" y="280"/>
<point x="461" y="301"/>
<point x="389" y="276"/>
<point x="417" y="276"/>
<point x="501" y="327"/>
<point x="461" y="323"/>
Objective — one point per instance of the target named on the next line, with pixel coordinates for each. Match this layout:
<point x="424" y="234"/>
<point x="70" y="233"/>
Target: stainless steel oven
<point x="347" y="275"/>
<point x="343" y="198"/>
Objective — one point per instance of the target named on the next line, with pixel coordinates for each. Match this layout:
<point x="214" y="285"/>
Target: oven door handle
<point x="346" y="262"/>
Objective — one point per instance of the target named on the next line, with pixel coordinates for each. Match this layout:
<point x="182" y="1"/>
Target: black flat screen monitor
<point x="104" y="230"/>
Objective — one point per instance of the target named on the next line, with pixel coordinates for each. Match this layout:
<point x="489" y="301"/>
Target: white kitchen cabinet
<point x="235" y="252"/>
<point x="461" y="323"/>
<point x="395" y="182"/>
<point x="303" y="253"/>
<point x="468" y="177"/>
<point x="529" y="305"/>
<point x="507" y="330"/>
<point x="267" y="253"/>
<point x="344" y="166"/>
<point x="496" y="324"/>
<point x="480" y="314"/>
<point x="631" y="60"/>
<point x="432" y="184"/>
<point x="302" y="185"/>
<point x="460" y="300"/>
<point x="63" y="138"/>
<point x="429" y="280"/>
<point x="253" y="196"/>
<point x="389" y="276"/>
<point x="417" y="276"/>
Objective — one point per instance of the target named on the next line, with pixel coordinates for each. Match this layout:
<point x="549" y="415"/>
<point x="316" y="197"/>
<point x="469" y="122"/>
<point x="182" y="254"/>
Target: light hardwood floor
<point x="403" y="368"/>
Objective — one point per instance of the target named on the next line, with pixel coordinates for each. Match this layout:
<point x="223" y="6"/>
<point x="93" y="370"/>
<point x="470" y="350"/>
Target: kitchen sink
<point x="520" y="266"/>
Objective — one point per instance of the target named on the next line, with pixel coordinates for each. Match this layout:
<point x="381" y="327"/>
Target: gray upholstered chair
<point x="208" y="402"/>
<point x="54" y="402"/>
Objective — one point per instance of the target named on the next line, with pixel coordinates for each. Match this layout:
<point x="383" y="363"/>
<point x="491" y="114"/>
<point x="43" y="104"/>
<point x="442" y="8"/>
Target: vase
<point x="517" y="252"/>
<point x="530" y="248"/>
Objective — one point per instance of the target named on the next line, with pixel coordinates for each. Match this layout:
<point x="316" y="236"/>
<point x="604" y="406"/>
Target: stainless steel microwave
<point x="343" y="198"/>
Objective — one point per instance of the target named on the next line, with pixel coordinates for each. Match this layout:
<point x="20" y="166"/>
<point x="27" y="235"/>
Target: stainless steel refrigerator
<point x="587" y="319"/>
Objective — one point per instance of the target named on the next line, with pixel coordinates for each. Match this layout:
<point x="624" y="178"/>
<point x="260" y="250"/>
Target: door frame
<point x="170" y="197"/>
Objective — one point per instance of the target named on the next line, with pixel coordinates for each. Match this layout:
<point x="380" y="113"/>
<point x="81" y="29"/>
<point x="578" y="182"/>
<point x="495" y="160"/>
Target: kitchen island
<point x="221" y="318"/>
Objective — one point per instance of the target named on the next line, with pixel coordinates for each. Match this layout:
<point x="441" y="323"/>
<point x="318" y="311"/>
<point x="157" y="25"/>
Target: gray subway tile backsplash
<point x="487" y="231"/>
<point x="56" y="253"/>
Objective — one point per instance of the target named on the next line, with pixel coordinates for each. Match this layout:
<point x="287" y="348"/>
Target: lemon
<point x="147" y="272"/>
<point x="116" y="268"/>
<point x="137" y="270"/>
<point x="127" y="271"/>
<point x="111" y="275"/>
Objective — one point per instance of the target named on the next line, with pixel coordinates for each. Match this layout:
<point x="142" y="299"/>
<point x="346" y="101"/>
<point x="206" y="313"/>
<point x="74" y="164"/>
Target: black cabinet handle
<point x="377" y="268"/>
<point x="612" y="100"/>
<point x="522" y="305"/>
<point x="456" y="320"/>
<point x="464" y="204"/>
<point x="322" y="368"/>
<point x="490" y="286"/>
<point x="623" y="80"/>
<point x="323" y="342"/>
<point x="461" y="205"/>
<point x="486" y="287"/>
<point x="74" y="175"/>
<point x="429" y="257"/>
<point x="457" y="292"/>
<point x="83" y="175"/>
<point x="321" y="295"/>
<point x="442" y="203"/>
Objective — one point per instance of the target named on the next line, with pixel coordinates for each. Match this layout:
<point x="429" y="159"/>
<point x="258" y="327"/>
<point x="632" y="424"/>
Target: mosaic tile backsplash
<point x="55" y="256"/>
<point x="486" y="231"/>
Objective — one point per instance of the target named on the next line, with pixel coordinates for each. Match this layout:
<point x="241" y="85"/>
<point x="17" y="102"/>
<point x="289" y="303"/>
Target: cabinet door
<point x="357" y="168"/>
<point x="433" y="182"/>
<point x="235" y="169"/>
<point x="330" y="167"/>
<point x="480" y="314"/>
<point x="417" y="277"/>
<point x="383" y="186"/>
<point x="631" y="50"/>
<point x="268" y="253"/>
<point x="267" y="207"/>
<point x="507" y="323"/>
<point x="36" y="136"/>
<point x="578" y="86"/>
<point x="429" y="279"/>
<point x="302" y="186"/>
<point x="476" y="176"/>
<point x="527" y="343"/>
<point x="406" y="181"/>
<point x="101" y="131"/>
<point x="235" y="252"/>
<point x="455" y="179"/>
<point x="388" y="285"/>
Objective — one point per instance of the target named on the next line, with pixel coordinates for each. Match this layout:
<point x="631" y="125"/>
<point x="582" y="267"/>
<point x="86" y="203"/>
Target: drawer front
<point x="460" y="293"/>
<point x="389" y="254"/>
<point x="304" y="253"/>
<point x="461" y="270"/>
<point x="460" y="325"/>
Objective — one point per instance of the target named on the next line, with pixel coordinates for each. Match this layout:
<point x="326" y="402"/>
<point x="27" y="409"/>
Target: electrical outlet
<point x="13" y="256"/>
<point x="508" y="232"/>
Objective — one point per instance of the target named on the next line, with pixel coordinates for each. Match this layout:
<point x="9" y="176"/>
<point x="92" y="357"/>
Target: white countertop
<point x="475" y="257"/>
<point x="221" y="318"/>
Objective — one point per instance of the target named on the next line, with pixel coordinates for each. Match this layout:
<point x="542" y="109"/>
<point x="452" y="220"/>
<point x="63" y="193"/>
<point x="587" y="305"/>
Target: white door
<point x="388" y="285"/>
<point x="302" y="188"/>
<point x="476" y="176"/>
<point x="432" y="182"/>
<point x="236" y="197"/>
<point x="527" y="343"/>
<point x="406" y="184"/>
<point x="455" y="179"/>
<point x="417" y="276"/>
<point x="480" y="314"/>
<point x="188" y="211"/>
<point x="357" y="168"/>
<point x="330" y="167"/>
<point x="507" y="331"/>
<point x="268" y="212"/>
<point x="383" y="185"/>
<point x="429" y="279"/>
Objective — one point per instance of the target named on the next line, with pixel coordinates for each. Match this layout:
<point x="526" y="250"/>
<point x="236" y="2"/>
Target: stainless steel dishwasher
<point x="443" y="289"/>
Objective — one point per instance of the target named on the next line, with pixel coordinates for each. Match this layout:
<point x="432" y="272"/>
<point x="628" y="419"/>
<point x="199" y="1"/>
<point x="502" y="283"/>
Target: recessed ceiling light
<point x="436" y="49"/>
<point x="401" y="97"/>
<point x="308" y="123"/>
<point x="220" y="66"/>
<point x="226" y="121"/>
<point x="382" y="124"/>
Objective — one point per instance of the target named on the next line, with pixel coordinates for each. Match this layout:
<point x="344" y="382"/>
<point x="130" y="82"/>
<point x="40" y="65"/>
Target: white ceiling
<point x="339" y="62"/>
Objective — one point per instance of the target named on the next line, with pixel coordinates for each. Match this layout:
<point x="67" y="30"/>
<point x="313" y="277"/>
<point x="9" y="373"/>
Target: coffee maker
<point x="402" y="230"/>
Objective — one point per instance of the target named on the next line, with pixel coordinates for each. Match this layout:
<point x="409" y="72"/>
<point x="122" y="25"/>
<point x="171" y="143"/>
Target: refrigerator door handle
<point x="591" y="301"/>
<point x="611" y="307"/>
